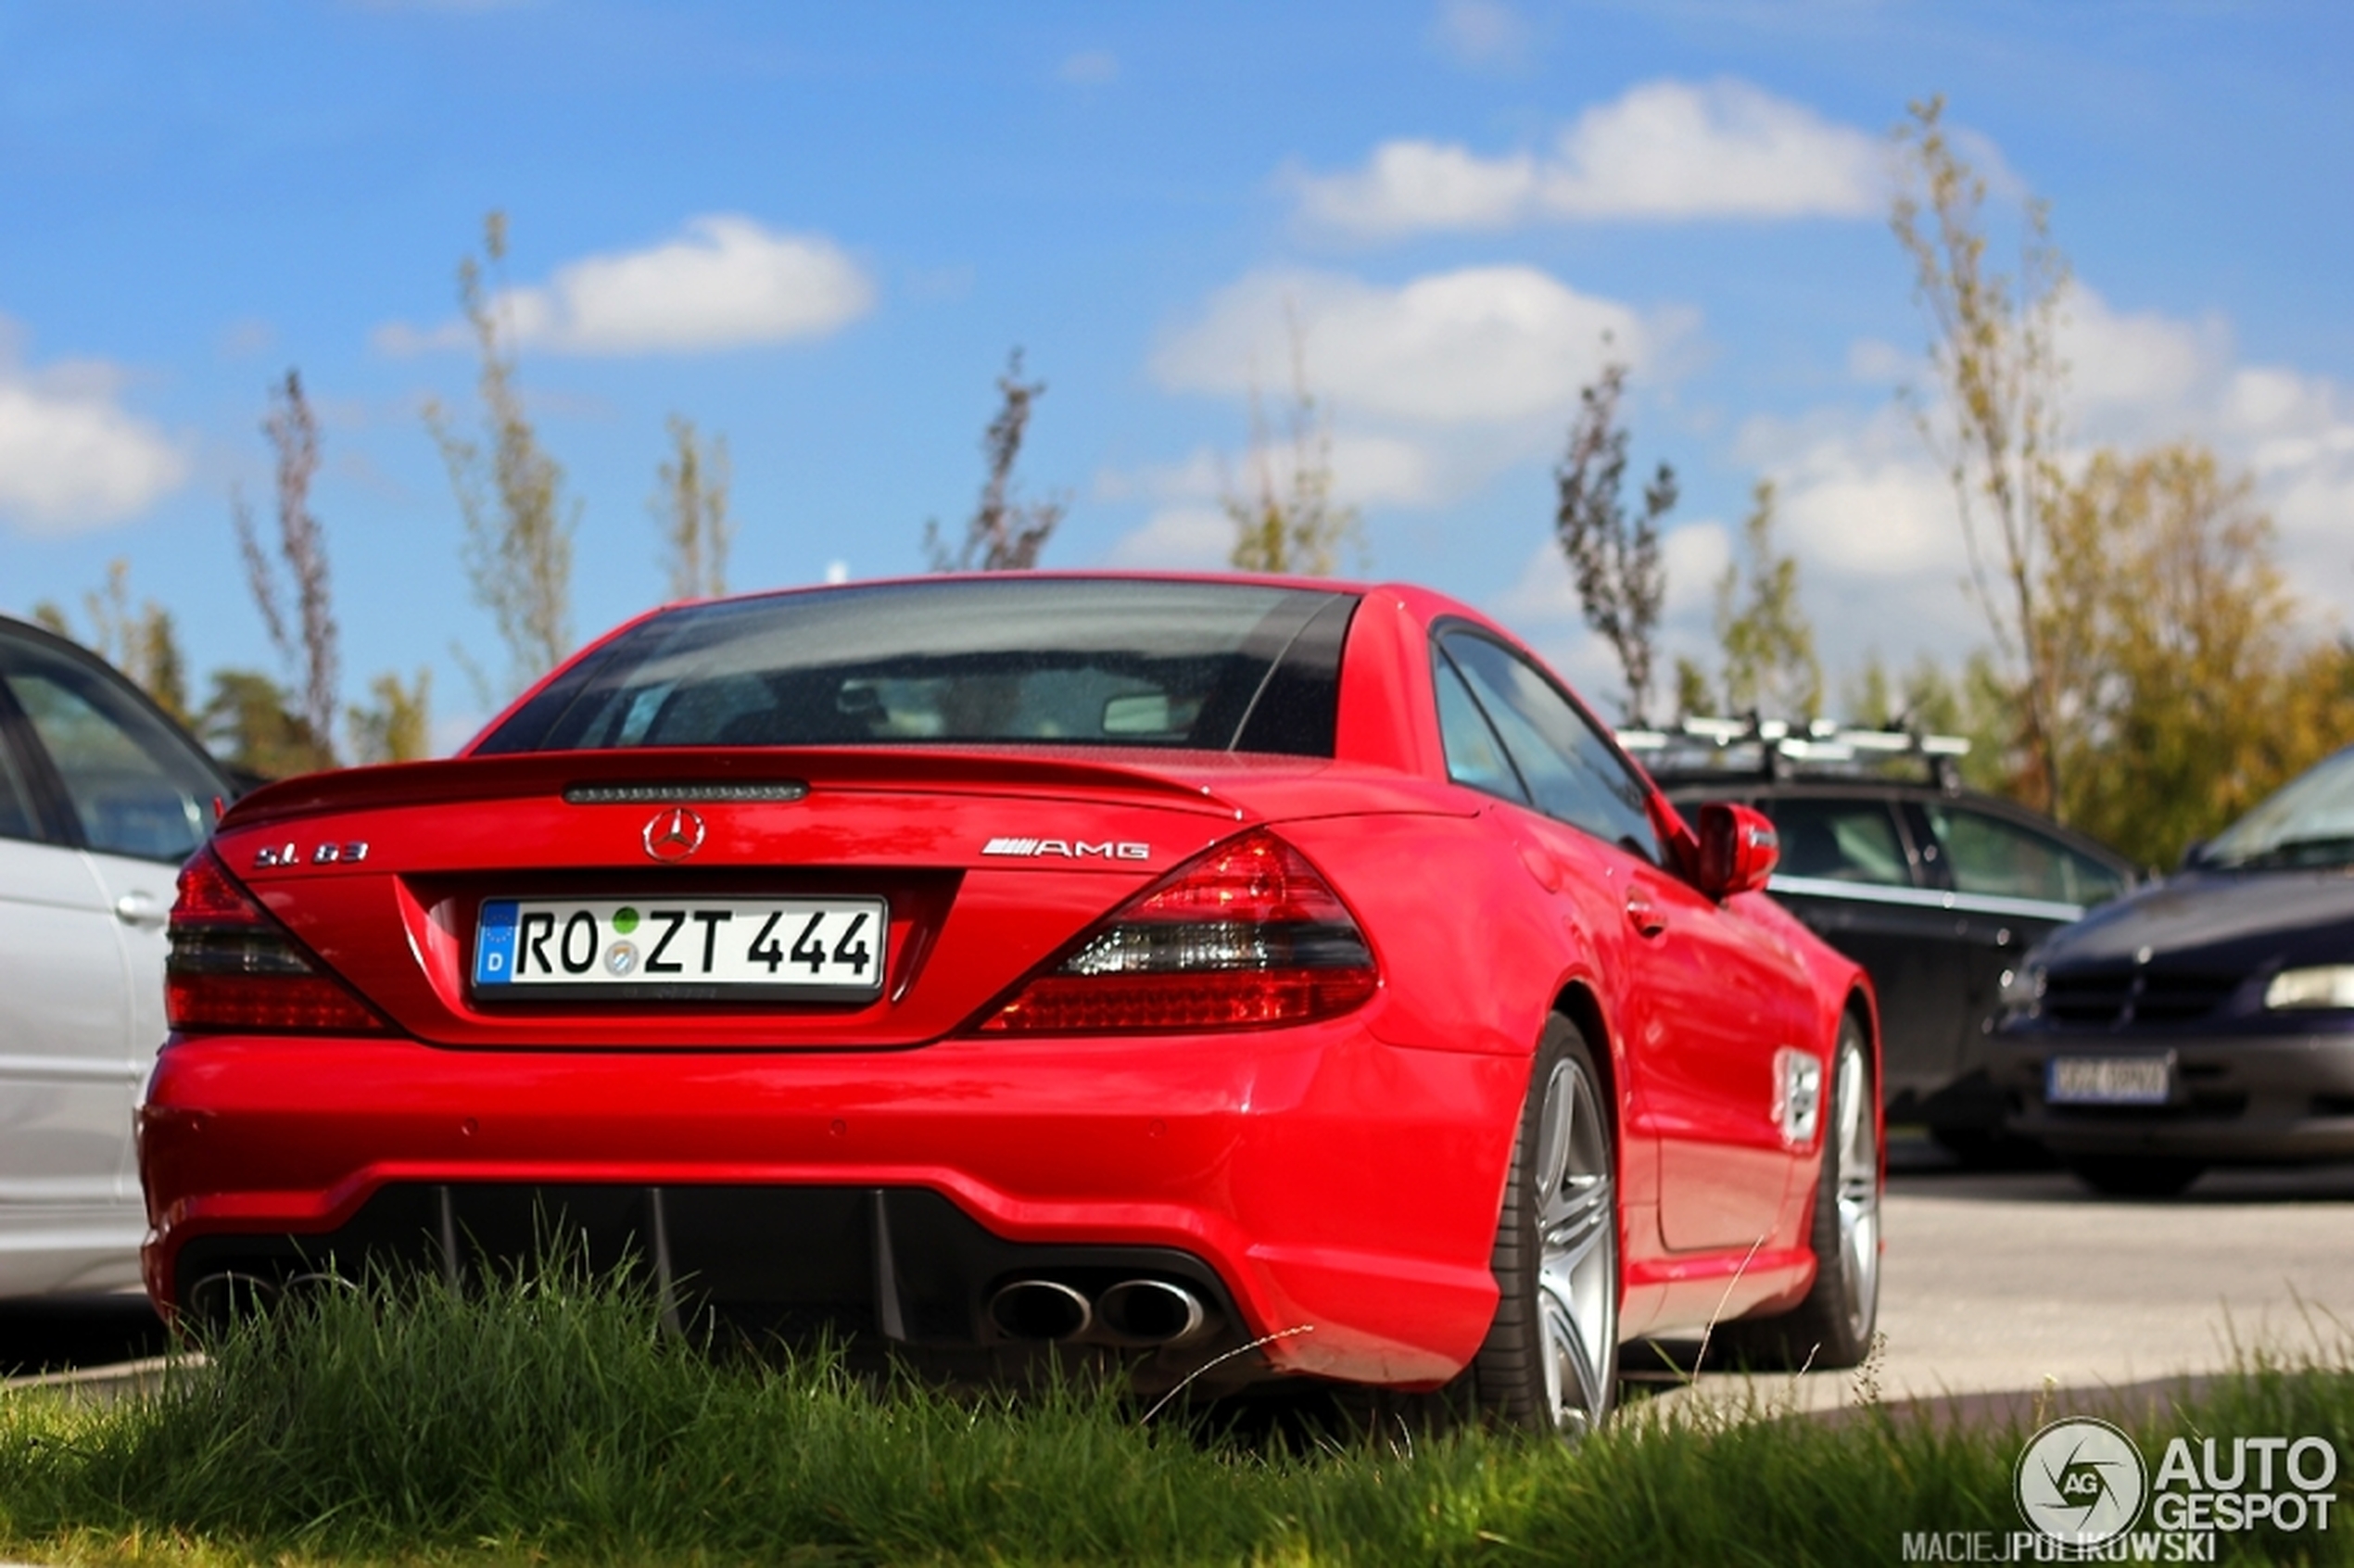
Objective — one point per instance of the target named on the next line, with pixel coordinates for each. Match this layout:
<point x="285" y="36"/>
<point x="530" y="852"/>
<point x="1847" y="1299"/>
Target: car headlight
<point x="2320" y="985"/>
<point x="2022" y="987"/>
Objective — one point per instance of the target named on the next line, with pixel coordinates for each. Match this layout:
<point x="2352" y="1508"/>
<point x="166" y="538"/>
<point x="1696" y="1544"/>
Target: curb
<point x="102" y="1384"/>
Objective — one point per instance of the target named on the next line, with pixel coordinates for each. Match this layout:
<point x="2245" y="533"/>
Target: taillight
<point x="1246" y="936"/>
<point x="233" y="966"/>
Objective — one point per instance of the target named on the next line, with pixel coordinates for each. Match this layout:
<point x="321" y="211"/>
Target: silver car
<point x="101" y="796"/>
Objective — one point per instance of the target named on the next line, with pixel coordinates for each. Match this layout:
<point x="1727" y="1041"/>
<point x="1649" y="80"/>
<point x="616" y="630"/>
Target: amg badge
<point x="1070" y="849"/>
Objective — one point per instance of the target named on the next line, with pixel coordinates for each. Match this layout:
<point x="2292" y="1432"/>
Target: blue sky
<point x="818" y="229"/>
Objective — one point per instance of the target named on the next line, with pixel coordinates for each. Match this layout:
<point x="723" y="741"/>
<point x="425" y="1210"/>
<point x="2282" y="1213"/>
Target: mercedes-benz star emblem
<point x="674" y="835"/>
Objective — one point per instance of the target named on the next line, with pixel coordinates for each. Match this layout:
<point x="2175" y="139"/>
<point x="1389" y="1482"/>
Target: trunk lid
<point x="989" y="862"/>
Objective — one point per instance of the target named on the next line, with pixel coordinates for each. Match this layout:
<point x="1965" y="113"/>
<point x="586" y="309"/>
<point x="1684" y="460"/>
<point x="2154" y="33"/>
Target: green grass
<point x="554" y="1423"/>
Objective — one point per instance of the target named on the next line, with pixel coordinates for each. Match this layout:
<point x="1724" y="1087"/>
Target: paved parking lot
<point x="1998" y="1283"/>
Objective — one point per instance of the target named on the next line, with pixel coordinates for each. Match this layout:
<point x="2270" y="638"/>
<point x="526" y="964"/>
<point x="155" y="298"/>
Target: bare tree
<point x="308" y="642"/>
<point x="1613" y="558"/>
<point x="1997" y="426"/>
<point x="1005" y="534"/>
<point x="1292" y="523"/>
<point x="691" y="504"/>
<point x="519" y="526"/>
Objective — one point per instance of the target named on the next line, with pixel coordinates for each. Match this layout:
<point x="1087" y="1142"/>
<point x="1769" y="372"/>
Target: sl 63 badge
<point x="323" y="855"/>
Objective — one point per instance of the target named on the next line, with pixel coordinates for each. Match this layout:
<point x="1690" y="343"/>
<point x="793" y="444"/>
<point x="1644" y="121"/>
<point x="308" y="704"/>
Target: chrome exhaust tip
<point x="1153" y="1312"/>
<point x="1040" y="1310"/>
<point x="220" y="1299"/>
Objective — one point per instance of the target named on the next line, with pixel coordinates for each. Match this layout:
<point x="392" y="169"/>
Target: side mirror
<point x="1738" y="848"/>
<point x="2194" y="856"/>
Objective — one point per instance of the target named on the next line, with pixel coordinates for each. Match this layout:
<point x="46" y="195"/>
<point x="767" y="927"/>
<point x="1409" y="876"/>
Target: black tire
<point x="2136" y="1176"/>
<point x="1833" y="1326"/>
<point x="1549" y="1362"/>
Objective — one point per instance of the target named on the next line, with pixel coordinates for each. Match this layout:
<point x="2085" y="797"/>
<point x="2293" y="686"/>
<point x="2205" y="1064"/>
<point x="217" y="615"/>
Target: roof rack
<point x="1700" y="749"/>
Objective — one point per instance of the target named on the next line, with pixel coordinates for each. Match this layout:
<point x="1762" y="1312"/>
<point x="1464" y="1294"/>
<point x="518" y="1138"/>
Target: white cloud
<point x="1872" y="517"/>
<point x="1183" y="537"/>
<point x="2131" y="370"/>
<point x="1432" y="386"/>
<point x="1482" y="34"/>
<point x="1370" y="468"/>
<point x="1666" y="150"/>
<point x="1484" y="345"/>
<point x="1692" y="554"/>
<point x="725" y="282"/>
<point x="72" y="458"/>
<point x="1542" y="603"/>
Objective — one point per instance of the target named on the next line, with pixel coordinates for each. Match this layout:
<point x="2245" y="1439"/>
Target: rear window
<point x="1061" y="662"/>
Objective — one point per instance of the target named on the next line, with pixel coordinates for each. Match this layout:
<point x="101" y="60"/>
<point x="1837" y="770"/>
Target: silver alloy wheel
<point x="1857" y="1174"/>
<point x="1577" y="1251"/>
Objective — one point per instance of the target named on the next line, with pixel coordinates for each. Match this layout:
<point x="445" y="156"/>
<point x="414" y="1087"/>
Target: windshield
<point x="1066" y="661"/>
<point x="2309" y="822"/>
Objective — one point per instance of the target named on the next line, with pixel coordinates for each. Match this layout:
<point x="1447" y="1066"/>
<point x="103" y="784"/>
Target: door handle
<point x="1644" y="915"/>
<point x="141" y="909"/>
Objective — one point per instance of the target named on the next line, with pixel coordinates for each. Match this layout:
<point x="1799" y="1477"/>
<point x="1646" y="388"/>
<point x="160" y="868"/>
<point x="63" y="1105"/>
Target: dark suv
<point x="1934" y="888"/>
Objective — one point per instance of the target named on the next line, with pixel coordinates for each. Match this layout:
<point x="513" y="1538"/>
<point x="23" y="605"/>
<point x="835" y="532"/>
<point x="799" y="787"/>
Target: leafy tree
<point x="396" y="726"/>
<point x="142" y="642"/>
<point x="250" y="722"/>
<point x="1997" y="424"/>
<point x="519" y="525"/>
<point x="1613" y="559"/>
<point x="311" y="646"/>
<point x="1695" y="697"/>
<point x="1768" y="644"/>
<point x="1005" y="534"/>
<point x="691" y="504"/>
<point x="1292" y="524"/>
<point x="2185" y="697"/>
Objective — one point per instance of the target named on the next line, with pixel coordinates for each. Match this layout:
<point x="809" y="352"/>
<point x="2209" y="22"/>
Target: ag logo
<point x="2080" y="1481"/>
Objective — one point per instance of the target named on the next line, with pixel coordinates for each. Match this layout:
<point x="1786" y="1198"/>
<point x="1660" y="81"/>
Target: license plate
<point x="2110" y="1081"/>
<point x="680" y="949"/>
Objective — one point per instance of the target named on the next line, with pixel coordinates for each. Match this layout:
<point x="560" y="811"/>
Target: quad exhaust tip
<point x="1040" y="1310"/>
<point x="223" y="1297"/>
<point x="1139" y="1311"/>
<point x="1152" y="1312"/>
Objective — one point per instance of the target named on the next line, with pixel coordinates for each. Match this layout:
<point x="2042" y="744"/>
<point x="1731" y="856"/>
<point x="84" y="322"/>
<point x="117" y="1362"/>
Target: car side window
<point x="16" y="818"/>
<point x="1986" y="853"/>
<point x="1839" y="841"/>
<point x="1571" y="772"/>
<point x="1474" y="757"/>
<point x="133" y="787"/>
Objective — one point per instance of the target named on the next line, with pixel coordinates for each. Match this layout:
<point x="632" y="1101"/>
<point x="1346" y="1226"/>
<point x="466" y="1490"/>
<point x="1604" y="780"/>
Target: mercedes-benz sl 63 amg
<point x="1272" y="977"/>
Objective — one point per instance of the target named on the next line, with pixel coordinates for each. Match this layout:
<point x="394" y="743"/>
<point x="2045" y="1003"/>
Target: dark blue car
<point x="2206" y="1019"/>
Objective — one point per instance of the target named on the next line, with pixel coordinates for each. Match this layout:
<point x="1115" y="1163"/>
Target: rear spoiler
<point x="687" y="773"/>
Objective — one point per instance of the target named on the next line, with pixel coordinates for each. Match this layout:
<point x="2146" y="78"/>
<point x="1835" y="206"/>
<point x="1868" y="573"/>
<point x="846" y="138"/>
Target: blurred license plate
<point x="2110" y="1081"/>
<point x="680" y="948"/>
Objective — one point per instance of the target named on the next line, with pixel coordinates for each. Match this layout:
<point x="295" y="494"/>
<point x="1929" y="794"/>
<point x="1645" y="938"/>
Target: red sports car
<point x="1272" y="977"/>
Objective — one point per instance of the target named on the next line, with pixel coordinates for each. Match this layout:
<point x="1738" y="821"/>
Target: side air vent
<point x="687" y="792"/>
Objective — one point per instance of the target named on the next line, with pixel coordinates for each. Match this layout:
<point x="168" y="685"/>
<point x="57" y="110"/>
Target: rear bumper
<point x="1319" y="1179"/>
<point x="2243" y="1099"/>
